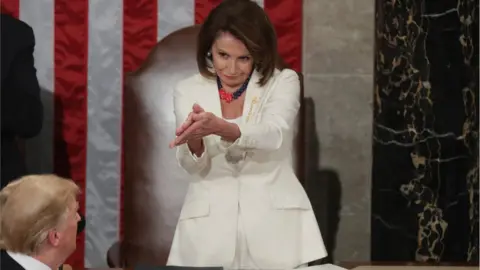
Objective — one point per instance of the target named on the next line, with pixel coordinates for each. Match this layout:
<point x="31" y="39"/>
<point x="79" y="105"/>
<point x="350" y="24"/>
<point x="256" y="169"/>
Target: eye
<point x="245" y="58"/>
<point x="223" y="55"/>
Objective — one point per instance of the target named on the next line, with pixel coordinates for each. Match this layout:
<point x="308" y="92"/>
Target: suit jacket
<point x="7" y="262"/>
<point x="21" y="107"/>
<point x="255" y="173"/>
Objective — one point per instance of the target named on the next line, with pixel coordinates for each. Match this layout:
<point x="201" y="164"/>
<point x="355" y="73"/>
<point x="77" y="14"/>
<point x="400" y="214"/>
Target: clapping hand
<point x="198" y="125"/>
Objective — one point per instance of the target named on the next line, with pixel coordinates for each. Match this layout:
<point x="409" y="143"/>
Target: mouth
<point x="230" y="77"/>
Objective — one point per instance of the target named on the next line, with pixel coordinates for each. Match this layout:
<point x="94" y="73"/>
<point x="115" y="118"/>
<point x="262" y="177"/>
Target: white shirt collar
<point x="27" y="262"/>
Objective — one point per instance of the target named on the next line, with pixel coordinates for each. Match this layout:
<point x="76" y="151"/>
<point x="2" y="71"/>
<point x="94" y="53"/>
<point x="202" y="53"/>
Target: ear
<point x="53" y="237"/>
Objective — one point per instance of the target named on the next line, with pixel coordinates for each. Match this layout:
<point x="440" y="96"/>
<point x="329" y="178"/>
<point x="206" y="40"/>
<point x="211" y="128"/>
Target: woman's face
<point x="231" y="60"/>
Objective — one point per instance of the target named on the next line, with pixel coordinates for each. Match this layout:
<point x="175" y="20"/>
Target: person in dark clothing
<point x="21" y="107"/>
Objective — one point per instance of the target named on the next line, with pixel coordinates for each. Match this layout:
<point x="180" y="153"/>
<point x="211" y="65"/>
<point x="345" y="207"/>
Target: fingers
<point x="185" y="124"/>
<point x="199" y="116"/>
<point x="188" y="134"/>
<point x="197" y="108"/>
<point x="184" y="131"/>
<point x="196" y="117"/>
<point x="188" y="139"/>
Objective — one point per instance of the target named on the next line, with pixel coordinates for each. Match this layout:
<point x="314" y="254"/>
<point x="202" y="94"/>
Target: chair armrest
<point x="114" y="256"/>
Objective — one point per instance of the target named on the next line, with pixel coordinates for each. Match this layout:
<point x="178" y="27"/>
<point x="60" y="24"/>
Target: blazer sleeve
<point x="277" y="117"/>
<point x="26" y="117"/>
<point x="186" y="159"/>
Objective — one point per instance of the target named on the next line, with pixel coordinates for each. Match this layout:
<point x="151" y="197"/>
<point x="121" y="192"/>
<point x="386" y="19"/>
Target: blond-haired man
<point x="38" y="222"/>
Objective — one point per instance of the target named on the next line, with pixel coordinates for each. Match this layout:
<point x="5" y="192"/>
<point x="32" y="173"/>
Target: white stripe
<point x="39" y="15"/>
<point x="174" y="15"/>
<point x="104" y="129"/>
<point x="261" y="2"/>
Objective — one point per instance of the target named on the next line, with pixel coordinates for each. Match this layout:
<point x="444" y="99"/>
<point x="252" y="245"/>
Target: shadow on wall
<point x="39" y="151"/>
<point x="47" y="152"/>
<point x="322" y="185"/>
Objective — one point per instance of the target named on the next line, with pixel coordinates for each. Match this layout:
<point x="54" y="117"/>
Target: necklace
<point x="229" y="97"/>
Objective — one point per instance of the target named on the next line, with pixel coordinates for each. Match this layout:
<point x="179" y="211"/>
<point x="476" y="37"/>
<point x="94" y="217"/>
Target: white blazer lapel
<point x="251" y="110"/>
<point x="209" y="98"/>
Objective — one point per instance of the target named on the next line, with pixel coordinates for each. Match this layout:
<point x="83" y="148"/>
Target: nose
<point x="232" y="67"/>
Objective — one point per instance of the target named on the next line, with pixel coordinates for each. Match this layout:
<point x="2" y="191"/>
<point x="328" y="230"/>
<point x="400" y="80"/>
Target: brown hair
<point x="246" y="21"/>
<point x="30" y="207"/>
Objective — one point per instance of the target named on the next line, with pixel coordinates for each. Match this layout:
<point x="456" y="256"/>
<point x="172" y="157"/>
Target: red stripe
<point x="286" y="15"/>
<point x="11" y="7"/>
<point x="139" y="36"/>
<point x="202" y="8"/>
<point x="70" y="130"/>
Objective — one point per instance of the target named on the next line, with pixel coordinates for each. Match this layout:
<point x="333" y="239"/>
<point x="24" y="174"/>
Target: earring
<point x="209" y="54"/>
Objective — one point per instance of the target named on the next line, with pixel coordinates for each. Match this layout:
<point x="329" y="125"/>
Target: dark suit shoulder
<point x="14" y="23"/>
<point x="15" y="37"/>
<point x="15" y="30"/>
<point x="7" y="262"/>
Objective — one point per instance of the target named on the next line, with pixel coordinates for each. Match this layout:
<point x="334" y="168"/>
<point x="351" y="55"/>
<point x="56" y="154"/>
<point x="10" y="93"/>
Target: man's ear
<point x="53" y="238"/>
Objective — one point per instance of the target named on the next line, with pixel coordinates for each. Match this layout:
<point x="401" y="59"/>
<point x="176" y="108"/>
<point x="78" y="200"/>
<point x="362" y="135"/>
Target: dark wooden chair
<point x="155" y="185"/>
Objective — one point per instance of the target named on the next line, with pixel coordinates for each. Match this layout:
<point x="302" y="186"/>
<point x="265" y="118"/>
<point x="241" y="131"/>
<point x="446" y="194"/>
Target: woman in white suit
<point x="245" y="208"/>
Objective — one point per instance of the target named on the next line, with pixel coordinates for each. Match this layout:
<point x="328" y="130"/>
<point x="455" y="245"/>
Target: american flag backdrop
<point x="83" y="49"/>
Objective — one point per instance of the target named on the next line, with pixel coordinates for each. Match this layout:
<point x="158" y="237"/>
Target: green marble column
<point x="425" y="138"/>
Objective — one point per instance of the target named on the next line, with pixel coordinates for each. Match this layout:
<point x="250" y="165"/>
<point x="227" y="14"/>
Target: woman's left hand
<point x="200" y="124"/>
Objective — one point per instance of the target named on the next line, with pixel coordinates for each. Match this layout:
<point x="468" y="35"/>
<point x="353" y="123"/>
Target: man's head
<point x="38" y="217"/>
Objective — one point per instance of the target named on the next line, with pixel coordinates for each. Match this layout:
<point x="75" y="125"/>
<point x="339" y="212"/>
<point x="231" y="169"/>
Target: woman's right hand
<point x="195" y="109"/>
<point x="197" y="125"/>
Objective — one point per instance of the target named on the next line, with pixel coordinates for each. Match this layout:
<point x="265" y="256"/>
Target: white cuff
<point x="189" y="161"/>
<point x="245" y="141"/>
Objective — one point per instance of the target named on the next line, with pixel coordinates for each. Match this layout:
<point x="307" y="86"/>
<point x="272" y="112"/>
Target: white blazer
<point x="277" y="217"/>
